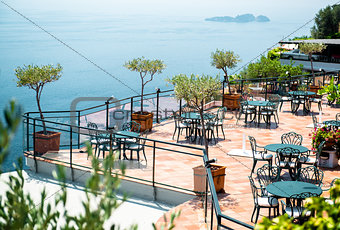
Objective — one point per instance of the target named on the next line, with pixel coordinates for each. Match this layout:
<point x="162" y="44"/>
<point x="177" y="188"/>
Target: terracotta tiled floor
<point x="176" y="169"/>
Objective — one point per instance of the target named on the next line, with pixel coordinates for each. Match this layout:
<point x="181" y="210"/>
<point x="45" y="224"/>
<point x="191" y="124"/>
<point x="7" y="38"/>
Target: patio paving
<point x="176" y="169"/>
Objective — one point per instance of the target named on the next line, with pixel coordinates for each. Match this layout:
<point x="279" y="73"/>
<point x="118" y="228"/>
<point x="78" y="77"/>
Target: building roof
<point x="324" y="41"/>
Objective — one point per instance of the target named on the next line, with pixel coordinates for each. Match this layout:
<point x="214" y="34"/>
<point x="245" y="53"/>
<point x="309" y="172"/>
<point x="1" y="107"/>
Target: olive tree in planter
<point x="223" y="59"/>
<point x="36" y="77"/>
<point x="145" y="67"/>
<point x="195" y="90"/>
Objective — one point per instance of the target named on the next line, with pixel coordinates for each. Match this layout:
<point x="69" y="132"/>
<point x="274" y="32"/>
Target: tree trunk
<point x="141" y="100"/>
<point x="203" y="130"/>
<point x="41" y="114"/>
<point x="227" y="80"/>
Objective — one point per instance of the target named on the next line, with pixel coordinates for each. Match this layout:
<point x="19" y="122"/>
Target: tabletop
<point x="126" y="134"/>
<point x="275" y="147"/>
<point x="287" y="188"/>
<point x="302" y="93"/>
<point x="258" y="103"/>
<point x="196" y="116"/>
<point x="332" y="123"/>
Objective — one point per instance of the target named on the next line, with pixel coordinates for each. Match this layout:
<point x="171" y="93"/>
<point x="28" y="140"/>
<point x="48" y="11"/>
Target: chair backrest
<point x="287" y="157"/>
<point x="274" y="98"/>
<point x="333" y="181"/>
<point x="221" y="113"/>
<point x="311" y="175"/>
<point x="291" y="138"/>
<point x="93" y="133"/>
<point x="131" y="126"/>
<point x="297" y="200"/>
<point x="315" y="121"/>
<point x="319" y="150"/>
<point x="337" y="117"/>
<point x="268" y="174"/>
<point x="252" y="141"/>
<point x="254" y="190"/>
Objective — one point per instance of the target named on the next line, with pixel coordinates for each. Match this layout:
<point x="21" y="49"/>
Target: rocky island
<point x="240" y="18"/>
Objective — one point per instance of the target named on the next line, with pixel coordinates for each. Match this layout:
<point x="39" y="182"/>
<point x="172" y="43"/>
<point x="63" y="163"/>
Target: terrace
<point x="167" y="175"/>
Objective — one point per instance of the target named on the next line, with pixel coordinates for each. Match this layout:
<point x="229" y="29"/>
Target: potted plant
<point x="144" y="67"/>
<point x="223" y="59"/>
<point x="36" y="77"/>
<point x="333" y="93"/>
<point x="332" y="137"/>
<point x="310" y="49"/>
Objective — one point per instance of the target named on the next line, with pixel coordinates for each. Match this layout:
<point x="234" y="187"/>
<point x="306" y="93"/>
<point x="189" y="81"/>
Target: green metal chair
<point x="131" y="126"/>
<point x="180" y="125"/>
<point x="288" y="158"/>
<point x="209" y="126"/>
<point x="106" y="144"/>
<point x="291" y="138"/>
<point x="311" y="175"/>
<point x="258" y="155"/>
<point x="270" y="111"/>
<point x="262" y="201"/>
<point x="247" y="110"/>
<point x="294" y="207"/>
<point x="138" y="146"/>
<point x="307" y="158"/>
<point x="219" y="120"/>
<point x="337" y="117"/>
<point x="332" y="184"/>
<point x="266" y="175"/>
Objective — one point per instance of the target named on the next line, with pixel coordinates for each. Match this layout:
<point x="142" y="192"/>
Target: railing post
<point x="212" y="215"/>
<point x="206" y="199"/>
<point x="107" y="115"/>
<point x="241" y="86"/>
<point x="153" y="170"/>
<point x="34" y="152"/>
<point x="78" y="129"/>
<point x="157" y="111"/>
<point x="180" y="107"/>
<point x="131" y="109"/>
<point x="28" y="132"/>
<point x="71" y="167"/>
<point x="266" y="90"/>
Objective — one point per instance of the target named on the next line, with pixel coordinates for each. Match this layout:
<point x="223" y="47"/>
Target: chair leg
<point x="257" y="214"/>
<point x="217" y="130"/>
<point x="222" y="131"/>
<point x="174" y="134"/>
<point x="251" y="219"/>
<point x="254" y="164"/>
<point x="144" y="155"/>
<point x="178" y="134"/>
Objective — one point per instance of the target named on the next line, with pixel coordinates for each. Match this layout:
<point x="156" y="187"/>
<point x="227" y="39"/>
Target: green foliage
<point x="168" y="225"/>
<point x="311" y="48"/>
<point x="223" y="59"/>
<point x="304" y="37"/>
<point x="333" y="92"/>
<point x="195" y="89"/>
<point x="144" y="67"/>
<point x="326" y="22"/>
<point x="12" y="114"/>
<point x="275" y="53"/>
<point x="266" y="67"/>
<point x="35" y="77"/>
<point x="324" y="134"/>
<point x="327" y="215"/>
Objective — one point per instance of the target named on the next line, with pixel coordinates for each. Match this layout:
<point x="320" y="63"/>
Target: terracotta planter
<point x="218" y="173"/>
<point x="145" y="120"/>
<point x="315" y="89"/>
<point x="44" y="143"/>
<point x="231" y="101"/>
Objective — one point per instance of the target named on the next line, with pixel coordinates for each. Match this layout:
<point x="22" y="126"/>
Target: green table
<point x="333" y="123"/>
<point x="301" y="97"/>
<point x="285" y="189"/>
<point x="195" y="120"/>
<point x="259" y="104"/>
<point x="275" y="147"/>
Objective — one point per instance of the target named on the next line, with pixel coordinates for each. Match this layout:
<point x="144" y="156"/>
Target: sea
<point x="92" y="40"/>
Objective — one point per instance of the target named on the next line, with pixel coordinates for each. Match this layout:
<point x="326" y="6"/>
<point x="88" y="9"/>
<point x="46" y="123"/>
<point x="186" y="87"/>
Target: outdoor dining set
<point x="270" y="183"/>
<point x="128" y="138"/>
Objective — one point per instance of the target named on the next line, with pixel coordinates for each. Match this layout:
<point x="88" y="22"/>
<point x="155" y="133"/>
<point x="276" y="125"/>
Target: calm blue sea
<point x="183" y="40"/>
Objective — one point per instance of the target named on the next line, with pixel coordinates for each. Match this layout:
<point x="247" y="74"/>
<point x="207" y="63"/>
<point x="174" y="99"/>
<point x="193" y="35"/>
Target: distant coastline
<point x="243" y="18"/>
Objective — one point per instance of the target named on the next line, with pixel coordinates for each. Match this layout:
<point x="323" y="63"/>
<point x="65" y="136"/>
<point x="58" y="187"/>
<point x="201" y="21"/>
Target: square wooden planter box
<point x="44" y="143"/>
<point x="145" y="120"/>
<point x="218" y="173"/>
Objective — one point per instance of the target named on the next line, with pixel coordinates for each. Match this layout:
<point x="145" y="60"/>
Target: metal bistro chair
<point x="219" y="119"/>
<point x="294" y="207"/>
<point x="247" y="110"/>
<point x="291" y="138"/>
<point x="105" y="145"/>
<point x="337" y="117"/>
<point x="262" y="201"/>
<point x="96" y="137"/>
<point x="270" y="111"/>
<point x="131" y="126"/>
<point x="258" y="155"/>
<point x="311" y="175"/>
<point x="209" y="126"/>
<point x="317" y="99"/>
<point x="138" y="146"/>
<point x="329" y="200"/>
<point x="180" y="125"/>
<point x="306" y="158"/>
<point x="266" y="175"/>
<point x="288" y="158"/>
<point x="316" y="124"/>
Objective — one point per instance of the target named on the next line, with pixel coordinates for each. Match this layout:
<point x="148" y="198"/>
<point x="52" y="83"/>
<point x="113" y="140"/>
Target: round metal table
<point x="332" y="123"/>
<point x="285" y="189"/>
<point x="119" y="135"/>
<point x="275" y="147"/>
<point x="301" y="97"/>
<point x="195" y="118"/>
<point x="258" y="104"/>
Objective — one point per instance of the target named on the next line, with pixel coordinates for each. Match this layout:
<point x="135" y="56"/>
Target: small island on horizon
<point x="243" y="18"/>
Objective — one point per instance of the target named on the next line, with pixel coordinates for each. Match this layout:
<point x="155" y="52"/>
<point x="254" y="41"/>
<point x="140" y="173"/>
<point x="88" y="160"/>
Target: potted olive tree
<point x="223" y="59"/>
<point x="144" y="67"/>
<point x="36" y="77"/>
<point x="195" y="90"/>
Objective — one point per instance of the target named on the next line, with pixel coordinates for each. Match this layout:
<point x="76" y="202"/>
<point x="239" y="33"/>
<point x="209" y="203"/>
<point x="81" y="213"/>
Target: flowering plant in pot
<point x="332" y="137"/>
<point x="144" y="67"/>
<point x="36" y="77"/>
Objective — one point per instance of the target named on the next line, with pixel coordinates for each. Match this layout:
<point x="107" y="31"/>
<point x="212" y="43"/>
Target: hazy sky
<point x="276" y="10"/>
